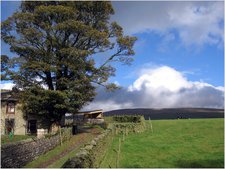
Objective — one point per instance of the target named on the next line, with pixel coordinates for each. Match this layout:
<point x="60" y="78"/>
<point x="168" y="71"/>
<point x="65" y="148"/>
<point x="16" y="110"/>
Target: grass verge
<point x="5" y="139"/>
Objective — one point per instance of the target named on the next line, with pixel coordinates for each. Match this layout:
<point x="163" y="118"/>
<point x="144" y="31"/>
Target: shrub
<point x="128" y="118"/>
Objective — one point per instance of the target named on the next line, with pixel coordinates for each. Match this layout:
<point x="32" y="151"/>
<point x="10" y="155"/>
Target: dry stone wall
<point x="93" y="153"/>
<point x="16" y="155"/>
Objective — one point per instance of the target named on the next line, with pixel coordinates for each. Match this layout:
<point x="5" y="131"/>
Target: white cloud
<point x="117" y="83"/>
<point x="161" y="87"/>
<point x="10" y="85"/>
<point x="164" y="78"/>
<point x="7" y="86"/>
<point x="197" y="23"/>
<point x="221" y="88"/>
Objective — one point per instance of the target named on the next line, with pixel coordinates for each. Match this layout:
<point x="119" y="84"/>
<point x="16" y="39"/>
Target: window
<point x="10" y="108"/>
<point x="32" y="126"/>
<point x="9" y="125"/>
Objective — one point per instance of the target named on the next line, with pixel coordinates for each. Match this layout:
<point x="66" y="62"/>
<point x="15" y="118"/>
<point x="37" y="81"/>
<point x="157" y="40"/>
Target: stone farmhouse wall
<point x="20" y="122"/>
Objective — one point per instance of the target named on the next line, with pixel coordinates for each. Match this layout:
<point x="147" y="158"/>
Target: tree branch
<point x="77" y="38"/>
<point x="49" y="80"/>
<point x="110" y="58"/>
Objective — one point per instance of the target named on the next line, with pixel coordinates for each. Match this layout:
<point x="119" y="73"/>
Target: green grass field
<point x="194" y="143"/>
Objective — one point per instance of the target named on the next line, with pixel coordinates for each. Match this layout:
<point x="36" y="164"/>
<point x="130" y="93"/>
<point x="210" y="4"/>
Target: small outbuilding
<point x="93" y="116"/>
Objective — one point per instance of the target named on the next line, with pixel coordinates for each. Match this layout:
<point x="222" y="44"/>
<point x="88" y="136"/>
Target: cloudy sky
<point x="179" y="60"/>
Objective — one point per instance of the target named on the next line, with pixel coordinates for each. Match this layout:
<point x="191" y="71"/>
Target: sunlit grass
<point x="6" y="139"/>
<point x="194" y="143"/>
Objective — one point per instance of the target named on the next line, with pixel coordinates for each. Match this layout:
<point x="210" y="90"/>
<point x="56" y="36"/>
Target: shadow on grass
<point x="84" y="129"/>
<point x="217" y="163"/>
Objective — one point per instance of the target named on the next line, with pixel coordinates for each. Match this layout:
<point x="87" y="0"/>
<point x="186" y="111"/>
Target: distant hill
<point x="170" y="113"/>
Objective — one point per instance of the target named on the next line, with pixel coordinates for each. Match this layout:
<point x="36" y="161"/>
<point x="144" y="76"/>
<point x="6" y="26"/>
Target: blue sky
<point x="163" y="44"/>
<point x="184" y="40"/>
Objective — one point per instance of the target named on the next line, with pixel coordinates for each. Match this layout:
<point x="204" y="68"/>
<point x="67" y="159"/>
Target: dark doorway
<point x="32" y="126"/>
<point x="9" y="125"/>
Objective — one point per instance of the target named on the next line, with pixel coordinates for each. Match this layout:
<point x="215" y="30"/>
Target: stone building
<point x="11" y="116"/>
<point x="80" y="118"/>
<point x="93" y="116"/>
<point x="13" y="119"/>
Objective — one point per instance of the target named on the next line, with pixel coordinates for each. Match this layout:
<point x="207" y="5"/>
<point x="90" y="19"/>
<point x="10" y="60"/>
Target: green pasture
<point x="187" y="143"/>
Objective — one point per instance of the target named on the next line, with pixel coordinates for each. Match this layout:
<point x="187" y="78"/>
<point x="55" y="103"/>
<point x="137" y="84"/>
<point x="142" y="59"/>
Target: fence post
<point x="118" y="154"/>
<point x="151" y="124"/>
<point x="60" y="135"/>
<point x="126" y="131"/>
<point x="123" y="135"/>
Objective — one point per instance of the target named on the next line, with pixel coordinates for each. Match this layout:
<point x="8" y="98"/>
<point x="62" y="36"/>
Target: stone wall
<point x="93" y="153"/>
<point x="16" y="155"/>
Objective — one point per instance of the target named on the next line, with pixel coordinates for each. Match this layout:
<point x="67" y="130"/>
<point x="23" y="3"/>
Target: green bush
<point x="66" y="133"/>
<point x="128" y="118"/>
<point x="129" y="124"/>
<point x="129" y="127"/>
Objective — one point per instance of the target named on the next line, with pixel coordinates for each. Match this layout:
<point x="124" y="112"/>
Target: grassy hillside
<point x="195" y="143"/>
<point x="171" y="113"/>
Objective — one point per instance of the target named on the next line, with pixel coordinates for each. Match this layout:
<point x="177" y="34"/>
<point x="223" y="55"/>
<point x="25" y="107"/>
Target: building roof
<point x="90" y="112"/>
<point x="8" y="96"/>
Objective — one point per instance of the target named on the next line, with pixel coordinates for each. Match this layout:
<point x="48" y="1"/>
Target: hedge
<point x="128" y="118"/>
